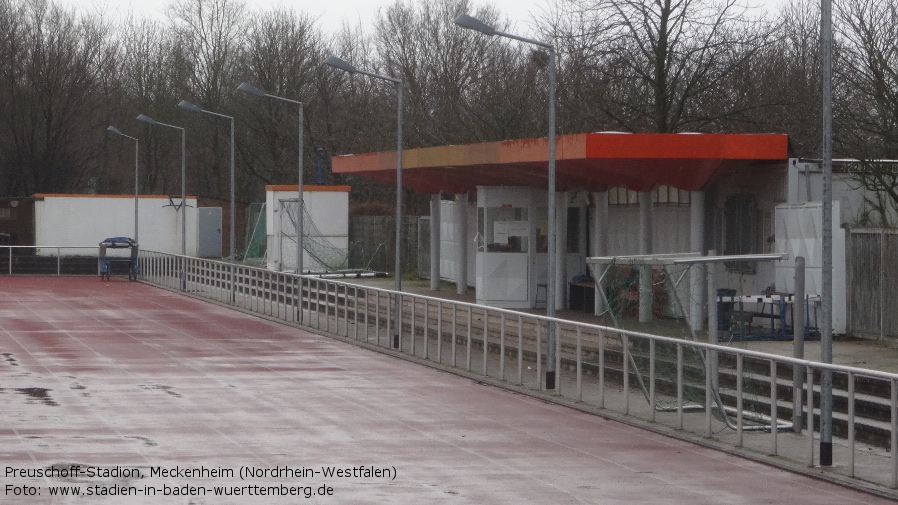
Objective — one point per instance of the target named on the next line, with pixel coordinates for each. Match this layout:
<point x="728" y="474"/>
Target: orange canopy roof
<point x="588" y="161"/>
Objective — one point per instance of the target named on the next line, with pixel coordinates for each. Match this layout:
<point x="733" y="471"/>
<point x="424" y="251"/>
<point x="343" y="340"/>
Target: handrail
<point x="365" y="314"/>
<point x="8" y="251"/>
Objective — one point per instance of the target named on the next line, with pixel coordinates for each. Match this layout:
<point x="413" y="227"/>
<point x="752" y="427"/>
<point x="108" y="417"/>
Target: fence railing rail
<point x="655" y="378"/>
<point x="48" y="260"/>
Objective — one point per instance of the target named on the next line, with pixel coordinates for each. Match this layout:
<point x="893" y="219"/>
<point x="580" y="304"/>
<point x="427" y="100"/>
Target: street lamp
<point x="472" y="23"/>
<point x="116" y="131"/>
<point x="249" y="88"/>
<point x="347" y="67"/>
<point x="150" y="121"/>
<point x="184" y="104"/>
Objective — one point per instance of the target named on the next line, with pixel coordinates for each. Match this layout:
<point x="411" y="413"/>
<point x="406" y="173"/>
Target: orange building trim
<point x="306" y="188"/>
<point x="588" y="161"/>
<point x="131" y="196"/>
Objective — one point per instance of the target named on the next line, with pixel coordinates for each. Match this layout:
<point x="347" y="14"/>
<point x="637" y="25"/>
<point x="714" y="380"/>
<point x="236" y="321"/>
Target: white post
<point x="561" y="251"/>
<point x="645" y="247"/>
<point x="798" y="329"/>
<point x="435" y="241"/>
<point x="712" y="322"/>
<point x="461" y="282"/>
<point x="600" y="224"/>
<point x="600" y="239"/>
<point x="279" y="237"/>
<point x="696" y="244"/>
<point x="582" y="234"/>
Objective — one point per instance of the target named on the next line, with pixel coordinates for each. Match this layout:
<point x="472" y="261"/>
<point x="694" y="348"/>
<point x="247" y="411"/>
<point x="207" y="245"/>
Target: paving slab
<point x="140" y="395"/>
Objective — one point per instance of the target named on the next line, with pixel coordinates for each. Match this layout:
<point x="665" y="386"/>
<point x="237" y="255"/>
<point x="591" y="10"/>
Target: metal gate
<point x="873" y="283"/>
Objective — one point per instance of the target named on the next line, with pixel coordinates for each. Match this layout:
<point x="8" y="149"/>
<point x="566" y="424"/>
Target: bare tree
<point x="148" y="71"/>
<point x="462" y="86"/>
<point x="211" y="37"/>
<point x="55" y="110"/>
<point x="867" y="76"/>
<point x="790" y="73"/>
<point x="658" y="65"/>
<point x="284" y="52"/>
<point x="866" y="90"/>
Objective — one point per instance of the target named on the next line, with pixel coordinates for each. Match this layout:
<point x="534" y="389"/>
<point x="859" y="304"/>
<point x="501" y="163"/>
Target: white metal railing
<point x="52" y="260"/>
<point x="602" y="367"/>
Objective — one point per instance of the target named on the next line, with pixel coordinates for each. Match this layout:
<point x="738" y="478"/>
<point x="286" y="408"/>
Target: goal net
<point x="669" y="295"/>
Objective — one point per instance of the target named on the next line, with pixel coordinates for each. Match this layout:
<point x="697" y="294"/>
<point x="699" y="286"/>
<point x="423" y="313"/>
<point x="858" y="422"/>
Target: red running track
<point x="134" y="380"/>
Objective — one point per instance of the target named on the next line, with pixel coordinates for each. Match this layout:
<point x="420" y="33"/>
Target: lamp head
<point x="252" y="90"/>
<point x="341" y="64"/>
<point x="146" y="119"/>
<point x="114" y="130"/>
<point x="472" y="23"/>
<point x="184" y="104"/>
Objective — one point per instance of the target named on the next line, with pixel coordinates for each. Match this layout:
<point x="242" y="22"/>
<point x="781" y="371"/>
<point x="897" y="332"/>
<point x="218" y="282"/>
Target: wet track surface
<point x="138" y="381"/>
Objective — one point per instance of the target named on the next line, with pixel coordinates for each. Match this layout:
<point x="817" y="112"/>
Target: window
<point x="741" y="230"/>
<point x="505" y="229"/>
<point x="669" y="196"/>
<point x="664" y="195"/>
<point x="622" y="196"/>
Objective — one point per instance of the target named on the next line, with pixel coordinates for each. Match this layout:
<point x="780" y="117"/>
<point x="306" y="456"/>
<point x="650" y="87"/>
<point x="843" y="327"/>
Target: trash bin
<point x="725" y="308"/>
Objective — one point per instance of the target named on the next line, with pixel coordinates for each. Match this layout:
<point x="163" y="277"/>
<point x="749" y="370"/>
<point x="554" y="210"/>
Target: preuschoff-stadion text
<point x="89" y="480"/>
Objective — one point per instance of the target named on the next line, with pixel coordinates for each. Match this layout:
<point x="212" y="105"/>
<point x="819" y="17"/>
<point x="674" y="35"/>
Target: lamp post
<point x="347" y="67"/>
<point x="249" y="88"/>
<point x="826" y="332"/>
<point x="150" y="121"/>
<point x="472" y="23"/>
<point x="116" y="131"/>
<point x="184" y="104"/>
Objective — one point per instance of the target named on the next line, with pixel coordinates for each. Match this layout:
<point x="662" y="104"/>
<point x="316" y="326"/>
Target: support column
<point x="279" y="236"/>
<point x="461" y="238"/>
<point x="600" y="240"/>
<point x="798" y="328"/>
<point x="712" y="320"/>
<point x="583" y="235"/>
<point x="435" y="201"/>
<point x="600" y="224"/>
<point x="560" y="266"/>
<point x="645" y="247"/>
<point x="697" y="272"/>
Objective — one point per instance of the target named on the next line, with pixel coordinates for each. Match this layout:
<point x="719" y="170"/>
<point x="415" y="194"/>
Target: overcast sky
<point x="332" y="13"/>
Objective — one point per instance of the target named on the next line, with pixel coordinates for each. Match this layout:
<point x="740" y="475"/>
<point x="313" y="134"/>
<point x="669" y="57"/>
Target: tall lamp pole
<point x="116" y="131"/>
<point x="184" y="104"/>
<point x="249" y="88"/>
<point x="150" y="121"/>
<point x="826" y="332"/>
<point x="347" y="67"/>
<point x="472" y="23"/>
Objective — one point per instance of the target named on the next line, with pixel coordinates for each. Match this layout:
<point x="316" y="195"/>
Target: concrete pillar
<point x="600" y="224"/>
<point x="645" y="247"/>
<point x="583" y="236"/>
<point x="435" y="201"/>
<point x="560" y="266"/>
<point x="798" y="328"/>
<point x="696" y="272"/>
<point x="712" y="318"/>
<point x="600" y="240"/>
<point x="462" y="239"/>
<point x="279" y="236"/>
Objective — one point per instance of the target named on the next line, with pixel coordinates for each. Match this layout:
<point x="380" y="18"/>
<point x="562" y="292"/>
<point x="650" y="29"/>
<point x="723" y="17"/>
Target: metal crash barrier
<point x="740" y="403"/>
